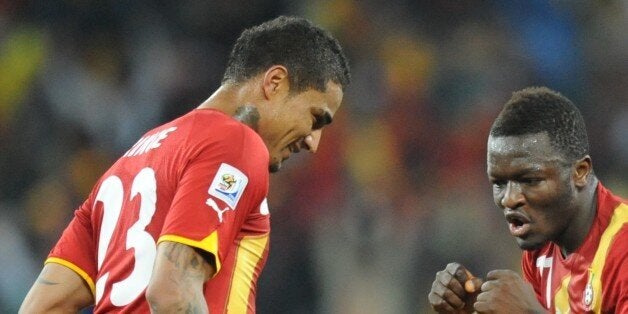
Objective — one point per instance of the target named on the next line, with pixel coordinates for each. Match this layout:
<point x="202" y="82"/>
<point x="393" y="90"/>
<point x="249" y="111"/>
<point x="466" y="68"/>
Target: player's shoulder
<point x="210" y="132"/>
<point x="618" y="238"/>
<point x="211" y="123"/>
<point x="617" y="228"/>
<point x="614" y="257"/>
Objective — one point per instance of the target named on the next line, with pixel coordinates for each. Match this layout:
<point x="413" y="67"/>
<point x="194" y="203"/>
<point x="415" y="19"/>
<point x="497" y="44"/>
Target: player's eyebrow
<point x="531" y="170"/>
<point x="328" y="117"/>
<point x="322" y="119"/>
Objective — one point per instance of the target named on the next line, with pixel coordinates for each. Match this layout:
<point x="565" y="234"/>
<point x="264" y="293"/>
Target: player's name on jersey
<point x="148" y="142"/>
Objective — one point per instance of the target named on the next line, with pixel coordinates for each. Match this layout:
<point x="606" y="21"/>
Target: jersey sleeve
<point x="218" y="188"/>
<point x="76" y="248"/>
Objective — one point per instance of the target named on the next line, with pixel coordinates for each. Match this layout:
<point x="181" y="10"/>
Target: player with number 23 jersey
<point x="200" y="180"/>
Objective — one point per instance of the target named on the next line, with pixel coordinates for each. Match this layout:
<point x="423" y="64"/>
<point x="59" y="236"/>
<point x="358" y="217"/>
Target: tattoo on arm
<point x="44" y="281"/>
<point x="190" y="308"/>
<point x="185" y="259"/>
<point x="189" y="272"/>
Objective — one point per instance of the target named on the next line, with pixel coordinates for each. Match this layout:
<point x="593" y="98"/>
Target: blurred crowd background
<point x="398" y="188"/>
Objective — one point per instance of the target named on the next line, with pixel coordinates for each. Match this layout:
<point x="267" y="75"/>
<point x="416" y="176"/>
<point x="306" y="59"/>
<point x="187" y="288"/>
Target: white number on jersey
<point x="543" y="262"/>
<point x="111" y="194"/>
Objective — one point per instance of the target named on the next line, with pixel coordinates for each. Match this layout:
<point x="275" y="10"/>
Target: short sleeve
<point x="76" y="248"/>
<point x="218" y="188"/>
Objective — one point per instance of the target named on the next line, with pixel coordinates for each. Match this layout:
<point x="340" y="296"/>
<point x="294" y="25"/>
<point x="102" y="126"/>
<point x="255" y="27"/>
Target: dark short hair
<point x="312" y="55"/>
<point x="539" y="109"/>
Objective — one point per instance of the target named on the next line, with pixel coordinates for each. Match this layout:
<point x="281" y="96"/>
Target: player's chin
<point x="530" y="244"/>
<point x="274" y="166"/>
<point x="277" y="162"/>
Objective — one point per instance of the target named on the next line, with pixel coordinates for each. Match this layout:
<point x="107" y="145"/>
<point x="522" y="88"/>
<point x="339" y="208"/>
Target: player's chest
<point x="567" y="285"/>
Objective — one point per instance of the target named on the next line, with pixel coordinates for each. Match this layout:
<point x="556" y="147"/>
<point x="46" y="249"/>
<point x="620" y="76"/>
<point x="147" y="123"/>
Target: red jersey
<point x="200" y="180"/>
<point x="592" y="279"/>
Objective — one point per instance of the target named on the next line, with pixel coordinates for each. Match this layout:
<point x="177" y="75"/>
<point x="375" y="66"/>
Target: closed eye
<point x="321" y="119"/>
<point x="498" y="184"/>
<point x="531" y="181"/>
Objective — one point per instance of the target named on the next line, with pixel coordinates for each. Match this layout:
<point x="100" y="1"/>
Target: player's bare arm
<point x="58" y="289"/>
<point x="454" y="290"/>
<point x="176" y="285"/>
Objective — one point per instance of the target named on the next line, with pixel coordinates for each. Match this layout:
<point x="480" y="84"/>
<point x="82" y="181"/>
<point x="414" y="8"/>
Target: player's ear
<point x="275" y="81"/>
<point x="582" y="170"/>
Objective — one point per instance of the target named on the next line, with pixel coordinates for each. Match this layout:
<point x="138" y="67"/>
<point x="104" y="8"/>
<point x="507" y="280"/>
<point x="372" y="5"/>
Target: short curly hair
<point x="312" y="55"/>
<point x="539" y="109"/>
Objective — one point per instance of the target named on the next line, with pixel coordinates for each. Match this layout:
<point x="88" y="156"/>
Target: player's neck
<point x="582" y="223"/>
<point x="229" y="97"/>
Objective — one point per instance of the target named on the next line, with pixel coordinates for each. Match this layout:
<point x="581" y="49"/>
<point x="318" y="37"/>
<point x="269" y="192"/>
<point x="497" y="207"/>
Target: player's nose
<point x="311" y="141"/>
<point x="512" y="197"/>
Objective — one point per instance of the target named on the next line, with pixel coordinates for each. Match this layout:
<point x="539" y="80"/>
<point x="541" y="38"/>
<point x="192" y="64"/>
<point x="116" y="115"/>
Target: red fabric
<point x="163" y="186"/>
<point x="614" y="276"/>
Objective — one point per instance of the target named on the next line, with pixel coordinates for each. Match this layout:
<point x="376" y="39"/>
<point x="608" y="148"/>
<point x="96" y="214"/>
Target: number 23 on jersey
<point x="111" y="194"/>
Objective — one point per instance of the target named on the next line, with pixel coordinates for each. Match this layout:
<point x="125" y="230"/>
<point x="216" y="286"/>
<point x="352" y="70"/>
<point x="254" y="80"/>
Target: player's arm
<point x="58" y="289"/>
<point x="178" y="277"/>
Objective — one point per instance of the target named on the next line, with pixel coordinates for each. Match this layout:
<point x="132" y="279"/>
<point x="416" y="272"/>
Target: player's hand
<point x="506" y="292"/>
<point x="454" y="290"/>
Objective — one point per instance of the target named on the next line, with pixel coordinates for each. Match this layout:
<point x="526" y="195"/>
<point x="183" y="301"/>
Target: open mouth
<point x="518" y="224"/>
<point x="294" y="147"/>
<point x="289" y="150"/>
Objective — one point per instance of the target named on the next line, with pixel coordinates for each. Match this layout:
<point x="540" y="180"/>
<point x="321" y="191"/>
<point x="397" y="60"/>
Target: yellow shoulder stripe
<point x="209" y="244"/>
<point x="619" y="218"/>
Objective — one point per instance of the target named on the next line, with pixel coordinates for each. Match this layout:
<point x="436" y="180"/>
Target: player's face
<point x="532" y="183"/>
<point x="299" y="122"/>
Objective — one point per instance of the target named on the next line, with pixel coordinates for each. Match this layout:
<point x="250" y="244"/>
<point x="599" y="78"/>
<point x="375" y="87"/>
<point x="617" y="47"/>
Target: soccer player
<point x="180" y="223"/>
<point x="573" y="230"/>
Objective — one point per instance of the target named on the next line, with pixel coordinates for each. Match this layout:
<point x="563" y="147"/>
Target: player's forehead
<point x="317" y="102"/>
<point x="531" y="151"/>
<point x="334" y="95"/>
<point x="329" y="99"/>
<point x="533" y="146"/>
